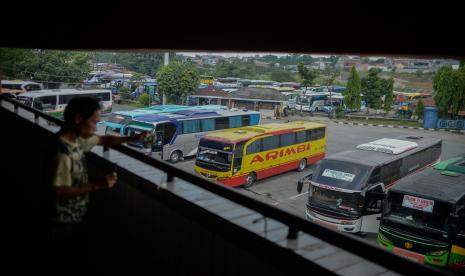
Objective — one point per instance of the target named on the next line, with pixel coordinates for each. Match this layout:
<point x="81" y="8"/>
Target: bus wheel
<point x="250" y="180"/>
<point x="175" y="156"/>
<point x="302" y="165"/>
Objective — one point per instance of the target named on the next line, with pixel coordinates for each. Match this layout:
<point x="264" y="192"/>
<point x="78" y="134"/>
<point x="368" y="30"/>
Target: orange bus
<point x="240" y="156"/>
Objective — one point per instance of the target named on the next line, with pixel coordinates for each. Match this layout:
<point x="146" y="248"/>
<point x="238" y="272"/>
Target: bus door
<point x="238" y="154"/>
<point x="164" y="134"/>
<point x="372" y="207"/>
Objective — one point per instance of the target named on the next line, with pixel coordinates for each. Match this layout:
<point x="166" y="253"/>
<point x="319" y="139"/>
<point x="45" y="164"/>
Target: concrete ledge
<point x="462" y="132"/>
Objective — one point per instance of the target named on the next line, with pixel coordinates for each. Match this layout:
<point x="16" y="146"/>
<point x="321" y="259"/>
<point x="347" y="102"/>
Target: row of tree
<point x="378" y="92"/>
<point x="46" y="66"/>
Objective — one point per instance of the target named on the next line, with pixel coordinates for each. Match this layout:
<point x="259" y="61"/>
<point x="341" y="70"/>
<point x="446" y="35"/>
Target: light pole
<point x="166" y="61"/>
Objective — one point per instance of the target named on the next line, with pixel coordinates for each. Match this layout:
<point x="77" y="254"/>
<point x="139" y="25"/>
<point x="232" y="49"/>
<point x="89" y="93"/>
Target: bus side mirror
<point x="300" y="184"/>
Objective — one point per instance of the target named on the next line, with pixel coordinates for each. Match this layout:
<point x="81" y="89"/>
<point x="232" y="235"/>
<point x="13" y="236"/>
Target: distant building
<point x="345" y="63"/>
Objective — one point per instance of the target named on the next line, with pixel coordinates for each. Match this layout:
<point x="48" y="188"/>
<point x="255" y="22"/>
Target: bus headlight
<point x="221" y="178"/>
<point x="383" y="238"/>
<point x="436" y="253"/>
<point x="348" y="222"/>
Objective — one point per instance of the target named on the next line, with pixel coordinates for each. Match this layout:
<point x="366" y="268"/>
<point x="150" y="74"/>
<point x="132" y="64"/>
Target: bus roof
<point x="157" y="109"/>
<point x="54" y="92"/>
<point x="439" y="184"/>
<point x="186" y="114"/>
<point x="19" y="82"/>
<point x="372" y="158"/>
<point x="235" y="135"/>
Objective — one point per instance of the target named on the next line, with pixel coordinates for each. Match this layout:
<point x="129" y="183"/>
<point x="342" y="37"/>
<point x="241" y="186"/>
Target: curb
<point x="462" y="132"/>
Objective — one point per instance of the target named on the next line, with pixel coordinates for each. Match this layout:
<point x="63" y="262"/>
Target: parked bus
<point x="115" y="123"/>
<point x="241" y="156"/>
<point x="336" y="100"/>
<point x="346" y="189"/>
<point x="177" y="134"/>
<point x="424" y="216"/>
<point x="54" y="101"/>
<point x="21" y="86"/>
<point x="311" y="102"/>
<point x="291" y="98"/>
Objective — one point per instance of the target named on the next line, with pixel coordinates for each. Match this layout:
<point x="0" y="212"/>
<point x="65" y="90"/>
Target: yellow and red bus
<point x="240" y="156"/>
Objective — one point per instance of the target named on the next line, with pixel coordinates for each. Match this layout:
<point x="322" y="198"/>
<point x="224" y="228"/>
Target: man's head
<point x="82" y="115"/>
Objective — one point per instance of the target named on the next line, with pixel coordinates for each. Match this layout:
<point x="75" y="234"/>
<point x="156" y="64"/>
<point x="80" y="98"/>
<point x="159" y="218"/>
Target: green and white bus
<point x="423" y="217"/>
<point x="54" y="101"/>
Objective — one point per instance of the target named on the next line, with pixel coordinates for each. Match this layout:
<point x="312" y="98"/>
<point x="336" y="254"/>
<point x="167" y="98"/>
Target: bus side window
<point x="287" y="139"/>
<point x="221" y="123"/>
<point x="48" y="102"/>
<point x="64" y="99"/>
<point x="375" y="176"/>
<point x="207" y="124"/>
<point x="270" y="143"/>
<point x="255" y="147"/>
<point x="435" y="152"/>
<point x="390" y="172"/>
<point x="245" y="120"/>
<point x="191" y="126"/>
<point x="235" y="121"/>
<point x="309" y="134"/>
<point x="301" y="137"/>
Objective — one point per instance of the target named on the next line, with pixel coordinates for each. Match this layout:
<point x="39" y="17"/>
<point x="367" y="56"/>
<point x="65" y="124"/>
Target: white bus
<point x="16" y="87"/>
<point x="312" y="102"/>
<point x="54" y="101"/>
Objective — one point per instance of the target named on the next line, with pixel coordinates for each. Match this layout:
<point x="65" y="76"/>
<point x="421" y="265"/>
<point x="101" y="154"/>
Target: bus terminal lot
<point x="281" y="190"/>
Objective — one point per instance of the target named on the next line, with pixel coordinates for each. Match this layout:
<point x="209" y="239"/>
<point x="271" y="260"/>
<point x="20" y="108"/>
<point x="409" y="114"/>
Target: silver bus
<point x="347" y="189"/>
<point x="177" y="134"/>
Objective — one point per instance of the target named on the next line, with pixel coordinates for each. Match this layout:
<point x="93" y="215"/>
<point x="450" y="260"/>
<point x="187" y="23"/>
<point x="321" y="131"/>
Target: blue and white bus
<point x="177" y="134"/>
<point x="117" y="121"/>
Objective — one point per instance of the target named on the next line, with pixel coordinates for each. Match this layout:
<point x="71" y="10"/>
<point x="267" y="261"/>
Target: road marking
<point x="296" y="196"/>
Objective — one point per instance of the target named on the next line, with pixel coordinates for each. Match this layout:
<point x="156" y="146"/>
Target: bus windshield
<point x="420" y="215"/>
<point x="345" y="175"/>
<point x="214" y="155"/>
<point x="25" y="100"/>
<point x="340" y="202"/>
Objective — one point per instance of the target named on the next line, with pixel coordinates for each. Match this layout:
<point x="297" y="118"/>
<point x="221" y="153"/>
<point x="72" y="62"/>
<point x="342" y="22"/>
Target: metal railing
<point x="344" y="241"/>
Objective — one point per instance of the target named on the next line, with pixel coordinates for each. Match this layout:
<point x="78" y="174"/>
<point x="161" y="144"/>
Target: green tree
<point x="177" y="80"/>
<point x="137" y="79"/>
<point x="308" y="76"/>
<point x="458" y="104"/>
<point x="145" y="63"/>
<point x="282" y="76"/>
<point x="419" y="109"/>
<point x="144" y="99"/>
<point x="387" y="87"/>
<point x="47" y="66"/>
<point x="352" y="97"/>
<point x="125" y="93"/>
<point x="444" y="88"/>
<point x="371" y="88"/>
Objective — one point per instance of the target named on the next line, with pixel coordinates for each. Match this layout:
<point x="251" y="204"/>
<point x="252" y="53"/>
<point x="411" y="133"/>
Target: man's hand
<point x="141" y="137"/>
<point x="108" y="182"/>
